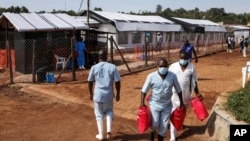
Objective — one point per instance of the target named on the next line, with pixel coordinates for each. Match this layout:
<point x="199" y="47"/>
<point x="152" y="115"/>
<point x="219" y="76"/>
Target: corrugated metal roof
<point x="239" y="27"/>
<point x="208" y="25"/>
<point x="36" y="21"/>
<point x="40" y="22"/>
<point x="56" y="21"/>
<point x="128" y="18"/>
<point x="127" y="22"/>
<point x="19" y="22"/>
<point x="71" y="21"/>
<point x="83" y="19"/>
<point x="197" y="22"/>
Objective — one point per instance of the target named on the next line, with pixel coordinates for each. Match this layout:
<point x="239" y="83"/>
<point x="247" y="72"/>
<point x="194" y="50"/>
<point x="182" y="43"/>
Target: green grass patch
<point x="239" y="104"/>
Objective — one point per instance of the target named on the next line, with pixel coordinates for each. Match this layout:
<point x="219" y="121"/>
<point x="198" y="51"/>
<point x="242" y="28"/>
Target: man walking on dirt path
<point x="161" y="82"/>
<point x="187" y="78"/>
<point x="104" y="74"/>
<point x="189" y="49"/>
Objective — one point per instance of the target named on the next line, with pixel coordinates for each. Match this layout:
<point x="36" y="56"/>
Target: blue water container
<point x="51" y="78"/>
<point x="142" y="56"/>
<point x="47" y="77"/>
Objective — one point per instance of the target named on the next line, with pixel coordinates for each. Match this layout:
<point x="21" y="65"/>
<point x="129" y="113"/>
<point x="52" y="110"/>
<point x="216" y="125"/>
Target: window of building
<point x="136" y="37"/>
<point x="211" y="36"/>
<point x="177" y="36"/>
<point x="123" y="37"/>
<point x="169" y="35"/>
<point x="192" y="36"/>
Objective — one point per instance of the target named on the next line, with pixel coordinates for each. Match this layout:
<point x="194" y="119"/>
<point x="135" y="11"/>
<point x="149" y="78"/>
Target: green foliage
<point x="239" y="104"/>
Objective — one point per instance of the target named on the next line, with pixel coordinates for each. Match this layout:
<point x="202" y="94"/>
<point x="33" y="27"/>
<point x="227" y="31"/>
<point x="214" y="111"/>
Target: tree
<point x="24" y="10"/>
<point x="98" y="9"/>
<point x="158" y="9"/>
<point x="215" y="14"/>
<point x="167" y="12"/>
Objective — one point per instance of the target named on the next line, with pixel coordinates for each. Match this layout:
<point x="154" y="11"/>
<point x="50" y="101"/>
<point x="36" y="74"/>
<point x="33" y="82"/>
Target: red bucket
<point x="177" y="118"/>
<point x="199" y="108"/>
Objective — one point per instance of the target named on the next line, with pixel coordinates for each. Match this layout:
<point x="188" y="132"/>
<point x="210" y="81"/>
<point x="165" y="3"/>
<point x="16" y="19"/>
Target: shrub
<point x="239" y="104"/>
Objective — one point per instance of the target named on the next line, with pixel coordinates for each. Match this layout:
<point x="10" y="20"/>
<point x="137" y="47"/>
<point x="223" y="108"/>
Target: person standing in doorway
<point x="104" y="74"/>
<point x="189" y="49"/>
<point x="241" y="44"/>
<point x="245" y="44"/>
<point x="158" y="42"/>
<point x="161" y="83"/>
<point x="80" y="47"/>
<point x="229" y="44"/>
<point x="187" y="78"/>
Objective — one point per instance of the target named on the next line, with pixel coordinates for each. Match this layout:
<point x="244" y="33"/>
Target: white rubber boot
<point x="99" y="136"/>
<point x="109" y="127"/>
<point x="173" y="132"/>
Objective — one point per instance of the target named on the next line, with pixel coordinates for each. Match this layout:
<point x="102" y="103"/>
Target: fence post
<point x="111" y="50"/>
<point x="33" y="62"/>
<point x="9" y="62"/>
<point x="73" y="59"/>
<point x="111" y="38"/>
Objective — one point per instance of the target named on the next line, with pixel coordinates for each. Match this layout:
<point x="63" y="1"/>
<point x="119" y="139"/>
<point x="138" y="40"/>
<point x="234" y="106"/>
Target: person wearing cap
<point x="189" y="49"/>
<point x="159" y="42"/>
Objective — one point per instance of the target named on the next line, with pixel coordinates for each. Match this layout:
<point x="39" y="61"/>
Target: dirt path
<point x="64" y="112"/>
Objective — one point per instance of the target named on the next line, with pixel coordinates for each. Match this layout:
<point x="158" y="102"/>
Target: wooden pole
<point x="9" y="62"/>
<point x="33" y="62"/>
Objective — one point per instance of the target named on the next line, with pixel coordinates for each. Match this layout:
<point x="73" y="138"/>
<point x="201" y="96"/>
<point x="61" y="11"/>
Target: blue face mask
<point x="183" y="62"/>
<point x="163" y="70"/>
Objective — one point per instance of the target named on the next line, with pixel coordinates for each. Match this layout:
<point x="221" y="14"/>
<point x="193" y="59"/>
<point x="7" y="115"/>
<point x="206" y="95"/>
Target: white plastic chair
<point x="245" y="71"/>
<point x="60" y="61"/>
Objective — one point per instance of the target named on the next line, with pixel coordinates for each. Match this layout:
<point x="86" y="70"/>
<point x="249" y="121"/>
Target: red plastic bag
<point x="177" y="118"/>
<point x="199" y="108"/>
<point x="143" y="119"/>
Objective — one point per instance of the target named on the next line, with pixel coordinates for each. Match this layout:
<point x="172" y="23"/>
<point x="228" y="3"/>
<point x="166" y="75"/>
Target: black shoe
<point x="152" y="136"/>
<point x="160" y="138"/>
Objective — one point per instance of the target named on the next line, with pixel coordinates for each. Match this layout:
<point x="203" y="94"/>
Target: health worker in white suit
<point x="187" y="78"/>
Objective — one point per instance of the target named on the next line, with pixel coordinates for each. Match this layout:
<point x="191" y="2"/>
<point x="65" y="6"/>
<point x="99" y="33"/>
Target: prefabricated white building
<point x="130" y="30"/>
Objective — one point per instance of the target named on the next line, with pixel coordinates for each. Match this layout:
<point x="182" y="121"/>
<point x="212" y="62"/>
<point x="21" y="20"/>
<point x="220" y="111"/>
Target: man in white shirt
<point x="159" y="42"/>
<point x="104" y="75"/>
<point x="187" y="78"/>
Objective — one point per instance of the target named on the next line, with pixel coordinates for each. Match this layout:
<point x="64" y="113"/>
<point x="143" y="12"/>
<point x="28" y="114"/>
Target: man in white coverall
<point x="187" y="77"/>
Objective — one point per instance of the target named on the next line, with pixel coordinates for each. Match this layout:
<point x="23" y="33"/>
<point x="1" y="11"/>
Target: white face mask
<point x="163" y="70"/>
<point x="183" y="62"/>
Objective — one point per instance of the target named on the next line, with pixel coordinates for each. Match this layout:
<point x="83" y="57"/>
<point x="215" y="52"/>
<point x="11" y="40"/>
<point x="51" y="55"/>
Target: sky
<point x="234" y="6"/>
